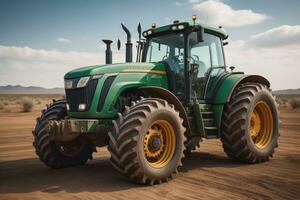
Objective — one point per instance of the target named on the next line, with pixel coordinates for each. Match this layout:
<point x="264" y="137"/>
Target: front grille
<point x="105" y="88"/>
<point x="81" y="95"/>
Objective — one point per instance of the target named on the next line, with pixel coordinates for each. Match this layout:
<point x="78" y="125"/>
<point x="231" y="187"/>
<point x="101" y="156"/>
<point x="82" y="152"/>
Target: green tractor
<point x="153" y="112"/>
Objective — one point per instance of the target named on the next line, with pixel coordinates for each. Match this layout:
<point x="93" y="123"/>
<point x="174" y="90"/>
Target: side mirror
<point x="231" y="68"/>
<point x="200" y="34"/>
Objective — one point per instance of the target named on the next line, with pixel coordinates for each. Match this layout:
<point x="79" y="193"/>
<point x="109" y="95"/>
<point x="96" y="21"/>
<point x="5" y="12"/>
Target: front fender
<point x="126" y="81"/>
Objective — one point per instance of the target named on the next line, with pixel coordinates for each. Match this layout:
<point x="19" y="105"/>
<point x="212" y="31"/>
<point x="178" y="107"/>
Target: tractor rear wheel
<point x="249" y="131"/>
<point x="147" y="141"/>
<point x="55" y="154"/>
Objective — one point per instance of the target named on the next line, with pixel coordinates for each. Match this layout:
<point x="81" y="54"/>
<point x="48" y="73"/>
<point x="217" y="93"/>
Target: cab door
<point x="207" y="64"/>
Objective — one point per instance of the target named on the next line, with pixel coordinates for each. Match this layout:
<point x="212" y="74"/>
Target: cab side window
<point x="206" y="54"/>
<point x="157" y="52"/>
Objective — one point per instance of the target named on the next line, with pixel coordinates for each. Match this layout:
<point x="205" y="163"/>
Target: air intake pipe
<point x="128" y="44"/>
<point x="108" y="52"/>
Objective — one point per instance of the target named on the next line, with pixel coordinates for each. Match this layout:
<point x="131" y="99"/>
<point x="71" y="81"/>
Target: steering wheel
<point x="196" y="58"/>
<point x="164" y="57"/>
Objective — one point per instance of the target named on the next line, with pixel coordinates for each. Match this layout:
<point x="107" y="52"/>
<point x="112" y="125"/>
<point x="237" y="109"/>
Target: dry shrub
<point x="295" y="103"/>
<point x="281" y="101"/>
<point x="26" y="104"/>
<point x="1" y="106"/>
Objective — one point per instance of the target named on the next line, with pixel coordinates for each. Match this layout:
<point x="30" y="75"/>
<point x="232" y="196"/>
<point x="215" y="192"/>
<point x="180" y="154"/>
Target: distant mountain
<point x="18" y="89"/>
<point x="287" y="91"/>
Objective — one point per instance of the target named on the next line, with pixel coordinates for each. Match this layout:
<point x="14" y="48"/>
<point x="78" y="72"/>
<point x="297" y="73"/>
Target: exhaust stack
<point x="108" y="52"/>
<point x="128" y="44"/>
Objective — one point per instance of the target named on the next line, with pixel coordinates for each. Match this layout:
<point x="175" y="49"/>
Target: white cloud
<point x="30" y="54"/>
<point x="195" y="1"/>
<point x="63" y="40"/>
<point x="278" y="64"/>
<point x="177" y="3"/>
<point x="281" y="36"/>
<point x="218" y="13"/>
<point x="40" y="67"/>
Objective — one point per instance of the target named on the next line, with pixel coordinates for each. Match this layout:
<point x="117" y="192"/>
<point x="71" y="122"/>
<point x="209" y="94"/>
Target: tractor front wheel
<point x="59" y="154"/>
<point x="147" y="141"/>
<point x="249" y="131"/>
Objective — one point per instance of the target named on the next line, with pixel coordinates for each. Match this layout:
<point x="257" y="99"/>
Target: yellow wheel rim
<point x="261" y="125"/>
<point x="159" y="143"/>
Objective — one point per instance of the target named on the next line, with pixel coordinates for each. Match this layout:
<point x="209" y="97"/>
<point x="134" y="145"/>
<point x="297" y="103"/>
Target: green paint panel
<point x="217" y="110"/>
<point x="222" y="95"/>
<point x="113" y="68"/>
<point x="198" y="118"/>
<point x="225" y="89"/>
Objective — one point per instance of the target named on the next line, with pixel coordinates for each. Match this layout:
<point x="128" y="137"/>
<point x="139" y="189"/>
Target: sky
<point x="41" y="40"/>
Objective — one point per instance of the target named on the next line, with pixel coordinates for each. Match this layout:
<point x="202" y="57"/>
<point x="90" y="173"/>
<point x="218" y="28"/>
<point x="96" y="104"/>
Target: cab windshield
<point x="169" y="50"/>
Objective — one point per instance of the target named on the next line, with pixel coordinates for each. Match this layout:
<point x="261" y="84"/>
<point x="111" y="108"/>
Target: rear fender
<point x="225" y="91"/>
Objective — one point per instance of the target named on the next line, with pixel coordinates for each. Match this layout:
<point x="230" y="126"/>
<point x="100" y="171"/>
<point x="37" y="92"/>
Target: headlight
<point x="81" y="107"/>
<point x="145" y="34"/>
<point x="83" y="81"/>
<point x="149" y="32"/>
<point x="174" y="28"/>
<point x="180" y="27"/>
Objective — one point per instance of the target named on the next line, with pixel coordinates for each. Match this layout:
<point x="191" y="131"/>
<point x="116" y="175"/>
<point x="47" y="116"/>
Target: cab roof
<point x="167" y="28"/>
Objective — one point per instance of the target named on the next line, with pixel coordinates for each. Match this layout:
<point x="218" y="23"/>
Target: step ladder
<point x="210" y="129"/>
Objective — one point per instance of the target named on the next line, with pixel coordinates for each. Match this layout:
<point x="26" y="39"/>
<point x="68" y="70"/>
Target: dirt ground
<point x="206" y="174"/>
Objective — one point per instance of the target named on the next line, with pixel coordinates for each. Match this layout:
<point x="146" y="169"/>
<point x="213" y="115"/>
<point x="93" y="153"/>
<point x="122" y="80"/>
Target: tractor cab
<point x="192" y="54"/>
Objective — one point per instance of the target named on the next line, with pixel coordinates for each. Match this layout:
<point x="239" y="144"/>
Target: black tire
<point x="235" y="129"/>
<point x="127" y="140"/>
<point x="48" y="150"/>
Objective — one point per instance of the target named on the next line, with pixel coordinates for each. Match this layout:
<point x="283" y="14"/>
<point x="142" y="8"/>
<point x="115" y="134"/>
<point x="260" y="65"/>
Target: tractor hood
<point x="113" y="68"/>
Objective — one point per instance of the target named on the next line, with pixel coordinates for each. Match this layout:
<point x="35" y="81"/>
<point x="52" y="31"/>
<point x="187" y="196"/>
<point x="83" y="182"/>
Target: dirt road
<point x="207" y="173"/>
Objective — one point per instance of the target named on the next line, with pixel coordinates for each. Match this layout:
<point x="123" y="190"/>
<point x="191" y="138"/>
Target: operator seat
<point x="202" y="69"/>
<point x="199" y="79"/>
